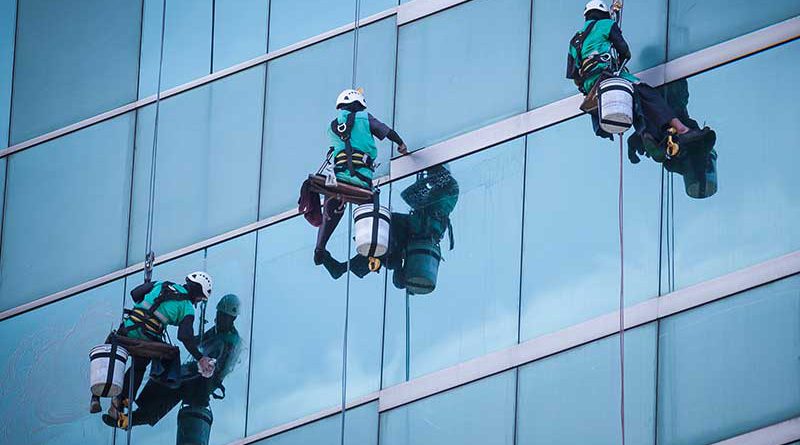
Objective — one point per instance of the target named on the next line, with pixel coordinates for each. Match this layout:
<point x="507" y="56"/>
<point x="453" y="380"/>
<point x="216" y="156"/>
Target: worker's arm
<point x="383" y="131"/>
<point x="619" y="43"/>
<point x="186" y="336"/>
<point x="141" y="290"/>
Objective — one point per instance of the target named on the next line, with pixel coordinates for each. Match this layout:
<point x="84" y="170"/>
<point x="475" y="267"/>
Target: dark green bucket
<point x="422" y="266"/>
<point x="194" y="425"/>
<point x="700" y="177"/>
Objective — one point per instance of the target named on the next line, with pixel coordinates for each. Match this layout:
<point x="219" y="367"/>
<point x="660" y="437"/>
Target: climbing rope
<point x="148" y="250"/>
<point x="616" y="8"/>
<point x="620" y="216"/>
<point x="349" y="238"/>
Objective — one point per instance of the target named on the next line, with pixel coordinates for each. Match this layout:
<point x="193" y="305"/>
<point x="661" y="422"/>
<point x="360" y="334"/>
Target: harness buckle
<point x="342" y="127"/>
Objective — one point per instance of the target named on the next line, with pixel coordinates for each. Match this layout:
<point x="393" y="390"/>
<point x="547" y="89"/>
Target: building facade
<point x="519" y="341"/>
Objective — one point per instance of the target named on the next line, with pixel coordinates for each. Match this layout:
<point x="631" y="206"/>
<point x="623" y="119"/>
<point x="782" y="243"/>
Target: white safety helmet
<point x="349" y="96"/>
<point x="203" y="279"/>
<point x="595" y="5"/>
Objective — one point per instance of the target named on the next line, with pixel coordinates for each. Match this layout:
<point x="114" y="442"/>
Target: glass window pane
<point x="554" y="24"/>
<point x="240" y="31"/>
<point x="694" y="24"/>
<point x="478" y="413"/>
<point x="292" y="21"/>
<point x="472" y="310"/>
<point x="8" y="25"/>
<point x="571" y="243"/>
<point x="73" y="60"/>
<point x="231" y="266"/>
<point x="301" y="96"/>
<point x="361" y="428"/>
<point x="736" y="358"/>
<point x="42" y="350"/>
<point x="297" y="343"/>
<point x="753" y="216"/>
<point x="187" y="43"/>
<point x="480" y="47"/>
<point x="209" y="148"/>
<point x="66" y="218"/>
<point x="574" y="397"/>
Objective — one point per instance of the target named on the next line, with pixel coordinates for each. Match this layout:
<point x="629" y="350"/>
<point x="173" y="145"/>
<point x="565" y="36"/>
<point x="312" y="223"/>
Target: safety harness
<point x="350" y="159"/>
<point x="588" y="66"/>
<point x="147" y="316"/>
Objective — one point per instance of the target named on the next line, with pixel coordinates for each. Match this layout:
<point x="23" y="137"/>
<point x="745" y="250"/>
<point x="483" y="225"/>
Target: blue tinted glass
<point x="478" y="413"/>
<point x="240" y="31"/>
<point x="66" y="217"/>
<point x="209" y="146"/>
<point x="8" y="24"/>
<point x="361" y="428"/>
<point x="73" y="60"/>
<point x="554" y="24"/>
<point x="753" y="215"/>
<point x="479" y="47"/>
<point x="571" y="249"/>
<point x="696" y="24"/>
<point x="292" y="21"/>
<point x="187" y="43"/>
<point x="297" y="343"/>
<point x="736" y="358"/>
<point x="301" y="102"/>
<point x="574" y="397"/>
<point x="231" y="266"/>
<point x="472" y="310"/>
<point x="44" y="356"/>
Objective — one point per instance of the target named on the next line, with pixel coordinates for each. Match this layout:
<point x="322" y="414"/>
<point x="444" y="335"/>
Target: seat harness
<point x="147" y="317"/>
<point x="350" y="159"/>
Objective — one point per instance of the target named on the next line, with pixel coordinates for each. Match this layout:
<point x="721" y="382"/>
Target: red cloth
<point x="309" y="204"/>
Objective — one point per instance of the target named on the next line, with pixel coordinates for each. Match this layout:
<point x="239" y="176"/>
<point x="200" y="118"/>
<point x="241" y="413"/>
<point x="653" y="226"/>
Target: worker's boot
<point x="94" y="405"/>
<point x="116" y="416"/>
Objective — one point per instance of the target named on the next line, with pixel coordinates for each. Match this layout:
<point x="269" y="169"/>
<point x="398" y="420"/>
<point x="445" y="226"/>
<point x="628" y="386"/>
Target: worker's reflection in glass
<point x="194" y="391"/>
<point x="696" y="161"/>
<point x="415" y="238"/>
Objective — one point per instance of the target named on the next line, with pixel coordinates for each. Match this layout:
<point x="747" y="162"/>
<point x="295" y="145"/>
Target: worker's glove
<point x="402" y="149"/>
<point x="206" y="366"/>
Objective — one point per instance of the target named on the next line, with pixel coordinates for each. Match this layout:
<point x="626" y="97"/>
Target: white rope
<point x="620" y="216"/>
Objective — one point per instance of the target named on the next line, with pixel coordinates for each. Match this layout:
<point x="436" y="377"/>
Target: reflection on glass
<point x="240" y="30"/>
<point x="72" y="61"/>
<point x="44" y="368"/>
<point x="187" y="43"/>
<point x="694" y="159"/>
<point x="360" y="428"/>
<point x="474" y="309"/>
<point x="192" y="389"/>
<point x="736" y="358"/>
<point x="414" y="250"/>
<point x="696" y="24"/>
<point x="574" y="397"/>
<point x="476" y="414"/>
<point x="461" y="69"/>
<point x="170" y="383"/>
<point x="66" y="211"/>
<point x="753" y="216"/>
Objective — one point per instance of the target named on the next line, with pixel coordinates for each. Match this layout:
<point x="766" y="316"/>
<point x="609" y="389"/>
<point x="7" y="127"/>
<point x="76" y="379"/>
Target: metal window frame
<point x="477" y="140"/>
<point x="778" y="434"/>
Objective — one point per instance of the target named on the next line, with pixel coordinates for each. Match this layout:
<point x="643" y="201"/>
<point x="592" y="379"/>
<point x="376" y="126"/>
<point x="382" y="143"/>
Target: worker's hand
<point x="206" y="366"/>
<point x="402" y="149"/>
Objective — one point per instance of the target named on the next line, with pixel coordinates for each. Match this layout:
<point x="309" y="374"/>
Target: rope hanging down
<point x="349" y="238"/>
<point x="148" y="250"/>
<point x="616" y="9"/>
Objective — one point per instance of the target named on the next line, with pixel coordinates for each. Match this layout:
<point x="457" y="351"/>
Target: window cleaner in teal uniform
<point x="353" y="153"/>
<point x="591" y="59"/>
<point x="158" y="305"/>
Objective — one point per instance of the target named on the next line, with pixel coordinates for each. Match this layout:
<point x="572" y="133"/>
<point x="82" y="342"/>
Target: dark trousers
<point x="139" y="366"/>
<point x="332" y="212"/>
<point x="655" y="108"/>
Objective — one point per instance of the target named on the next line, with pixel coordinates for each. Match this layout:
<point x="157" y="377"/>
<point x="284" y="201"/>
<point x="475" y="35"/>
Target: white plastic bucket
<point x="616" y="105"/>
<point x="103" y="382"/>
<point x="363" y="218"/>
